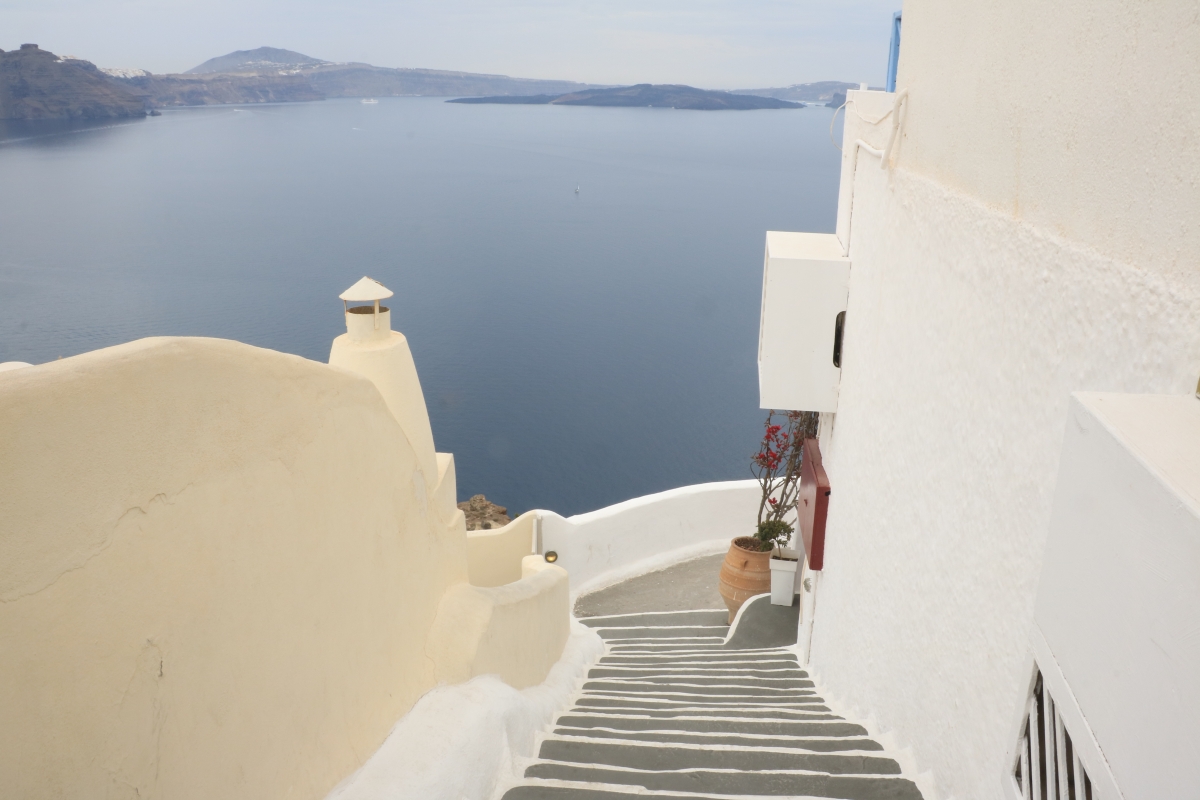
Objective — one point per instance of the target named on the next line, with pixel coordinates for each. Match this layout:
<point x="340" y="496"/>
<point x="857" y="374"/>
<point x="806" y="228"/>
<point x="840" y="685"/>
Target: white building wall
<point x="1118" y="602"/>
<point x="1036" y="236"/>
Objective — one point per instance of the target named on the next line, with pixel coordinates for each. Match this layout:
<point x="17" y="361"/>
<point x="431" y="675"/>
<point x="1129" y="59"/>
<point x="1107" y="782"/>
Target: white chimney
<point x="372" y="349"/>
<point x="367" y="323"/>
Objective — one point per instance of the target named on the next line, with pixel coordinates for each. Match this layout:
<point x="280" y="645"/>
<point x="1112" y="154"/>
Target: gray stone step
<point x="719" y="714"/>
<point x="659" y="757"/>
<point x="629" y="636"/>
<point x="671" y="713"/>
<point x="768" y="727"/>
<point x="544" y="791"/>
<point x="695" y="687"/>
<point x="696" y="671"/>
<point x="704" y="659"/>
<point x="681" y="647"/>
<point x="802" y="704"/>
<point x="735" y="783"/>
<point x="716" y="618"/>
<point x="692" y="679"/>
<point x="733" y="740"/>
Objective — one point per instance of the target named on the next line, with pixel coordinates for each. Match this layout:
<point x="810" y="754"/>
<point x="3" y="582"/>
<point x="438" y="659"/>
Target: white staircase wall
<point x="1119" y="601"/>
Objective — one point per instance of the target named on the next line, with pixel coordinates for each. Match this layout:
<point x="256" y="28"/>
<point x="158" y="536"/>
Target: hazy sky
<point x="746" y="44"/>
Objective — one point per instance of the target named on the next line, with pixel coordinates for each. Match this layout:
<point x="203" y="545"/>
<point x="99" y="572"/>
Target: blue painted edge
<point x="894" y="53"/>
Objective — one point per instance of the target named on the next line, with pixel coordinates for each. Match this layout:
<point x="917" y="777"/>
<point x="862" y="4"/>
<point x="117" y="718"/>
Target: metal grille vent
<point x="1048" y="768"/>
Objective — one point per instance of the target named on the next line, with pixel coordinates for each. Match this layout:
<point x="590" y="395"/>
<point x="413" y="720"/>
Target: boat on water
<point x="370" y="101"/>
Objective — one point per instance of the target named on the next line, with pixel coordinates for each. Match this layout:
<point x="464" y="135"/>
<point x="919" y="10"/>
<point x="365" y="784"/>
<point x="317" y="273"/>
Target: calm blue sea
<point x="575" y="350"/>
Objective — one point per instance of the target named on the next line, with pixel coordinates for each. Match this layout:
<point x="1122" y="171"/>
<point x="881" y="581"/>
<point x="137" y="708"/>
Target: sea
<point x="580" y="286"/>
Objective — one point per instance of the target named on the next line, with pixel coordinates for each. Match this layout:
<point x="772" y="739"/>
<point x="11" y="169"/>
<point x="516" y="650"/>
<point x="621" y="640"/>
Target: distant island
<point x="272" y="74"/>
<point x="37" y="84"/>
<point x="644" y="95"/>
<point x="821" y="92"/>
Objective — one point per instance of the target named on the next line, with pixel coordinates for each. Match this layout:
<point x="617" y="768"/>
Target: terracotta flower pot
<point x="745" y="573"/>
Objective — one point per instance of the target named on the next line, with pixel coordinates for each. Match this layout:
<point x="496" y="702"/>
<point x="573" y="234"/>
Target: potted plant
<point x="759" y="563"/>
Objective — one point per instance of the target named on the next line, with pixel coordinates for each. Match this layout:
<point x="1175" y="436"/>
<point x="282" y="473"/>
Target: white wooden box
<point x="805" y="284"/>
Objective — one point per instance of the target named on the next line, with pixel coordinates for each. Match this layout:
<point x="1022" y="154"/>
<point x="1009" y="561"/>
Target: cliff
<point x="645" y="95"/>
<point x="203" y="90"/>
<point x="36" y="84"/>
<point x="364" y="80"/>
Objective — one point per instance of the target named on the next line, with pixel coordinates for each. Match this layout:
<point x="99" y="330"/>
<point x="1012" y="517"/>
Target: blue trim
<point x="894" y="53"/>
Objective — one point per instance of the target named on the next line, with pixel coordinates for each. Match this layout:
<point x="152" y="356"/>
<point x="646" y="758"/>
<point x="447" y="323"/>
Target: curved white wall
<point x="650" y="532"/>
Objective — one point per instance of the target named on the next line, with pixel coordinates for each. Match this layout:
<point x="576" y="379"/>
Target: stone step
<point x="613" y="701"/>
<point x="724" y="739"/>
<point x="690" y="687"/>
<point x="709" y="782"/>
<point x="717" y="713"/>
<point x="692" y="679"/>
<point x="647" y="756"/>
<point x="673" y="711"/>
<point x="708" y="618"/>
<point x="777" y="727"/>
<point x="696" y="671"/>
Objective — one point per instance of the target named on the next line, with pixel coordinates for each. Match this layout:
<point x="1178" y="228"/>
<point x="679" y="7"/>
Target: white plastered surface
<point x="468" y="741"/>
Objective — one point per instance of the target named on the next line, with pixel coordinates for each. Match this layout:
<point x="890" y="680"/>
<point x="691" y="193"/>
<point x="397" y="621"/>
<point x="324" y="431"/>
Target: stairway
<point x="674" y="711"/>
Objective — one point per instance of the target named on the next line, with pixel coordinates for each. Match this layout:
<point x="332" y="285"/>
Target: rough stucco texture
<point x="1081" y="118"/>
<point x="218" y="567"/>
<point x="966" y="332"/>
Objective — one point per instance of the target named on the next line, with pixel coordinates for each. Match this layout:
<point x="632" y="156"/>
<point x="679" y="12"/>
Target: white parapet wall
<point x="1117" y="616"/>
<point x="650" y="532"/>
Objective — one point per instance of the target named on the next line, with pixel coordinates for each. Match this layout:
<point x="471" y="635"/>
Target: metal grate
<point x="1047" y="767"/>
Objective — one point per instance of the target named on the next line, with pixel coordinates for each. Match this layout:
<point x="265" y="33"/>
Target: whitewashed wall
<point x="1037" y="236"/>
<point x="1118" y="603"/>
<point x="650" y="532"/>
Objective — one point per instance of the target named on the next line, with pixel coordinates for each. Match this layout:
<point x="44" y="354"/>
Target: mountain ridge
<point x="259" y="57"/>
<point x="36" y="84"/>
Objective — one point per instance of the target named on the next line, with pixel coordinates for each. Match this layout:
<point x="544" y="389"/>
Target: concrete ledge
<point x="516" y="631"/>
<point x="494" y="557"/>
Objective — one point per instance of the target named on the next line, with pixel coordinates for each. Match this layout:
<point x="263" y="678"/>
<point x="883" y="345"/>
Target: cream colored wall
<point x="494" y="556"/>
<point x="1036" y="237"/>
<point x="214" y="565"/>
<point x="388" y="363"/>
<point x="222" y="571"/>
<point x="516" y="631"/>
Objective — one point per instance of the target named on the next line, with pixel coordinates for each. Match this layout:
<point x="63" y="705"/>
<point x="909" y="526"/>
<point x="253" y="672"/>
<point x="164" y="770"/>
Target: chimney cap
<point x="365" y="290"/>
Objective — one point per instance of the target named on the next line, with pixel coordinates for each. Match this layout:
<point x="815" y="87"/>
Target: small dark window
<point x="838" y="327"/>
